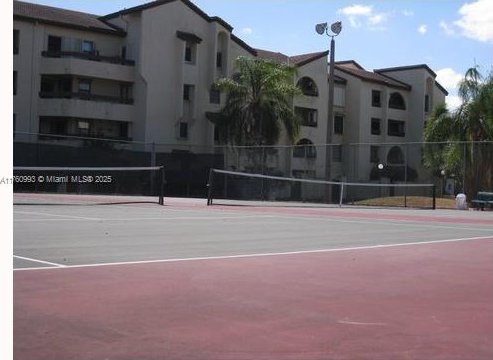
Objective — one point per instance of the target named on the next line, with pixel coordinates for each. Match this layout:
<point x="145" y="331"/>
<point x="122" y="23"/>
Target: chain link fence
<point x="454" y="167"/>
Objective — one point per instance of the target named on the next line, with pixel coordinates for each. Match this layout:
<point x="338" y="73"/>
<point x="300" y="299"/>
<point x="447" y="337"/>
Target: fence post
<point x="464" y="167"/>
<point x="209" y="186"/>
<point x="434" y="197"/>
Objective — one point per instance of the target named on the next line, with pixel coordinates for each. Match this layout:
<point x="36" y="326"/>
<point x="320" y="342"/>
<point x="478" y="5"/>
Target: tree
<point x="465" y="133"/>
<point x="258" y="105"/>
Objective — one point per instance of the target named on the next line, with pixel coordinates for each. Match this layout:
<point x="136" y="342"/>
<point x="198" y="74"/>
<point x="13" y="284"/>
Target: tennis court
<point x="191" y="281"/>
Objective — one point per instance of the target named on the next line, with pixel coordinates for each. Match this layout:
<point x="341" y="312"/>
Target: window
<point x="15" y="83"/>
<point x="337" y="153"/>
<point x="396" y="101"/>
<point x="124" y="52"/>
<point x="214" y="96"/>
<point x="219" y="60"/>
<point x="375" y="126"/>
<point x="191" y="40"/>
<point x="308" y="116"/>
<point x="304" y="149"/>
<point x="123" y="130"/>
<point x="13" y="125"/>
<point x="16" y="42"/>
<point x="427" y="103"/>
<point x="308" y="86"/>
<point x="338" y="124"/>
<point x="54" y="43"/>
<point x="396" y="128"/>
<point x="187" y="92"/>
<point x="87" y="46"/>
<point x="183" y="130"/>
<point x="374" y="154"/>
<point x="125" y="92"/>
<point x="83" y="127"/>
<point x="376" y="98"/>
<point x="84" y="86"/>
<point x="190" y="52"/>
<point x="55" y="86"/>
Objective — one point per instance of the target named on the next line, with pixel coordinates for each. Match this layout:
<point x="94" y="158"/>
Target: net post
<point x="434" y="197"/>
<point x="161" y="186"/>
<point x="209" y="186"/>
<point x="341" y="194"/>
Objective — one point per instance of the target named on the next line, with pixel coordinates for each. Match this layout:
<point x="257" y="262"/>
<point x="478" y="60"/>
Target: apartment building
<point x="385" y="106"/>
<point x="144" y="74"/>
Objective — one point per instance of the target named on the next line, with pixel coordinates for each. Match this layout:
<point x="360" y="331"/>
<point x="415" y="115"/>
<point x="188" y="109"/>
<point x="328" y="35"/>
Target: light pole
<point x="335" y="29"/>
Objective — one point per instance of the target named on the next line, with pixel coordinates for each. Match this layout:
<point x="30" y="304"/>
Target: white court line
<point x="55" y="215"/>
<point x="153" y="218"/>
<point x="226" y="257"/>
<point x="347" y="322"/>
<point x="38" y="261"/>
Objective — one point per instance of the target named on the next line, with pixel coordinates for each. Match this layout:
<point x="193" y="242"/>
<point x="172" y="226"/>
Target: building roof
<point x="349" y="68"/>
<point x="414" y="67"/>
<point x="61" y="17"/>
<point x="155" y="3"/>
<point x="273" y="56"/>
<point x="298" y="60"/>
<point x="244" y="45"/>
<point x="350" y="63"/>
<point x="409" y="67"/>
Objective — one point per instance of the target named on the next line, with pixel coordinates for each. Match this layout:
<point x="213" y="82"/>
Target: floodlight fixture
<point x="321" y="28"/>
<point x="336" y="27"/>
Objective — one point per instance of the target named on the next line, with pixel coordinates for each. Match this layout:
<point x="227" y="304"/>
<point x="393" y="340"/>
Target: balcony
<point x="84" y="96"/>
<point x="93" y="56"/>
<point x="87" y="65"/>
<point x="87" y="106"/>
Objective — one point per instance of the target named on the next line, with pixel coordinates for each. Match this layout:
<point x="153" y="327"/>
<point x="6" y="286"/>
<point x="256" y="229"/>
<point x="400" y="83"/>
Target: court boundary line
<point x="227" y="257"/>
<point x="39" y="261"/>
<point x="67" y="217"/>
<point x="152" y="218"/>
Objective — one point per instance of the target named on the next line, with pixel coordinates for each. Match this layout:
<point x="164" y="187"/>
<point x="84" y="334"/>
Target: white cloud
<point x="357" y="10"/>
<point x="377" y="19"/>
<point x="359" y="15"/>
<point x="407" y="13"/>
<point x="422" y="29"/>
<point x="476" y="20"/>
<point x="247" y="31"/>
<point x="446" y="28"/>
<point x="453" y="102"/>
<point x="449" y="78"/>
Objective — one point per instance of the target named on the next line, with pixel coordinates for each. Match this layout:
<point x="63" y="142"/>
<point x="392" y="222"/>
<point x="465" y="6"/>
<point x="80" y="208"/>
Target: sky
<point x="449" y="36"/>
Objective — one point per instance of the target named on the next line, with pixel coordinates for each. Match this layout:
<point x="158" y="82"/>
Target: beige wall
<point x="30" y="66"/>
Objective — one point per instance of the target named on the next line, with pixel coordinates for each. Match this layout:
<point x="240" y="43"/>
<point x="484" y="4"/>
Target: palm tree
<point x="258" y="105"/>
<point x="467" y="133"/>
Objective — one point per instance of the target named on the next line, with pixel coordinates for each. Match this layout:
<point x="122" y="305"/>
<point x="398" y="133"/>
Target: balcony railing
<point x="84" y="96"/>
<point x="84" y="138"/>
<point x="88" y="56"/>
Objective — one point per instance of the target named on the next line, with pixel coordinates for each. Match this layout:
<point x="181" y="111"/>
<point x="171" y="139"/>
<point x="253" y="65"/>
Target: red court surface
<point x="422" y="301"/>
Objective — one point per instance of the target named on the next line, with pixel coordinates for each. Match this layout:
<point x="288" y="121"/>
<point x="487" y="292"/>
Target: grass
<point x="410" y="201"/>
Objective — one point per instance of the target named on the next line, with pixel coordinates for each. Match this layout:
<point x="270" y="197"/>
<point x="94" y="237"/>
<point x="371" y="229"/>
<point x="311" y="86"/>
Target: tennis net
<point x="238" y="188"/>
<point x="88" y="185"/>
